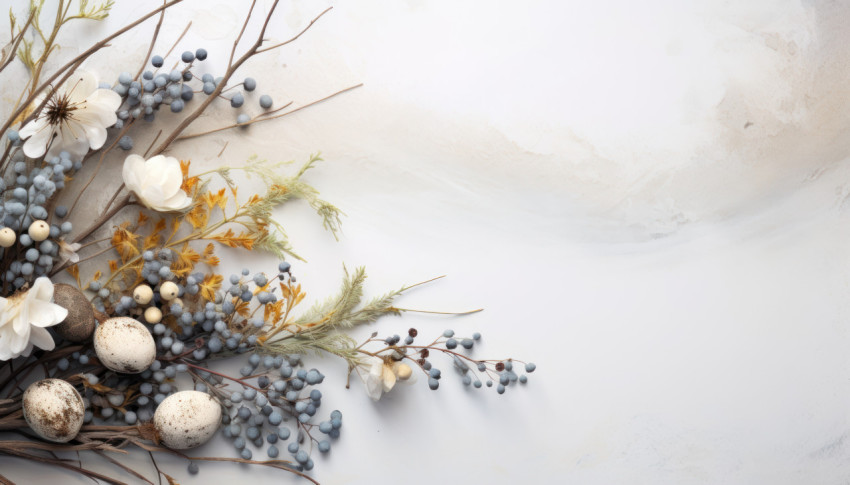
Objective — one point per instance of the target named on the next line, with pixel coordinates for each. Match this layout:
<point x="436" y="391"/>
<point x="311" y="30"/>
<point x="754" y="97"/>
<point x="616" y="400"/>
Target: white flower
<point x="23" y="318"/>
<point x="68" y="252"/>
<point x="156" y="182"/>
<point x="77" y="114"/>
<point x="380" y="376"/>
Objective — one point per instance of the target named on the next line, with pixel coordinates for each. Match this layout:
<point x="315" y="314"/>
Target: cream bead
<point x="39" y="230"/>
<point x="403" y="372"/>
<point x="7" y="237"/>
<point x="168" y="291"/>
<point x="143" y="294"/>
<point x="153" y="315"/>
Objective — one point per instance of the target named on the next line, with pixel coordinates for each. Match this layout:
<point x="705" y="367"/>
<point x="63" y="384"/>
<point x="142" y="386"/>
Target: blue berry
<point x="125" y="78"/>
<point x="467" y="343"/>
<point x="275" y="418"/>
<point x="530" y="367"/>
<point x="476" y="336"/>
<point x="273" y="452"/>
<point x="523" y="378"/>
<point x="500" y="389"/>
<point x="177" y="106"/>
<point x="186" y="93"/>
<point x="239" y="442"/>
<point x="449" y="333"/>
<point x="451" y="343"/>
<point x="187" y="57"/>
<point x="283" y="433"/>
<point x="126" y="143"/>
<point x="201" y="54"/>
<point x="266" y="103"/>
<point x="157" y="61"/>
<point x="237" y="100"/>
<point x="292" y="447"/>
<point x="324" y="446"/>
<point x="433" y="383"/>
<point x="193" y="468"/>
<point x="250" y="84"/>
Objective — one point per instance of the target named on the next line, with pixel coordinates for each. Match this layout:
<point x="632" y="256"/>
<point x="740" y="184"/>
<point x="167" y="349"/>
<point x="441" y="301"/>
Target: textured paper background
<point x="648" y="199"/>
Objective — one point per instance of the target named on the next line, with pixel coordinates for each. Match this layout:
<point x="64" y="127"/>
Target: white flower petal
<point x="42" y="288"/>
<point x="388" y="379"/>
<point x="103" y="101"/>
<point x="177" y="202"/>
<point x="156" y="171"/>
<point x="134" y="167"/>
<point x="41" y="338"/>
<point x="72" y="139"/>
<point x="152" y="196"/>
<point x="39" y="137"/>
<point x="79" y="86"/>
<point x="32" y="127"/>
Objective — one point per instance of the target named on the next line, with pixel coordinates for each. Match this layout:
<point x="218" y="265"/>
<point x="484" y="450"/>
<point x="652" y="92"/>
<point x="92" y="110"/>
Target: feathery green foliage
<point x="333" y="315"/>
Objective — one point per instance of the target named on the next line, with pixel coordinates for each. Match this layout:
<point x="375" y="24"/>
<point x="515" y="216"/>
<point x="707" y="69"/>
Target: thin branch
<point x="124" y="202"/>
<point x="150" y="48"/>
<point x="297" y="35"/>
<point x="258" y="119"/>
<point x="470" y="312"/>
<point x="178" y="39"/>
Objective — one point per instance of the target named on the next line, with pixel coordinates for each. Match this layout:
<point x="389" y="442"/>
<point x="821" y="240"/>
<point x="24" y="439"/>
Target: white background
<point x="647" y="198"/>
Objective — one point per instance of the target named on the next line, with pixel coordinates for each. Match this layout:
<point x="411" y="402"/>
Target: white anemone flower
<point x="380" y="376"/>
<point x="24" y="317"/>
<point x="156" y="182"/>
<point x="74" y="119"/>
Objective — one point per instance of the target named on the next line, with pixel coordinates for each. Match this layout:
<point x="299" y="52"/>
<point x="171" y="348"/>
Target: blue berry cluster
<point x="276" y="389"/>
<point x="29" y="243"/>
<point x="144" y="97"/>
<point x="503" y="372"/>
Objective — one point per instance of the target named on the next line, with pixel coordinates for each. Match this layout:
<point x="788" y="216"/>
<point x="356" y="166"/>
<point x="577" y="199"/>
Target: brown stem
<point x="267" y="118"/>
<point x="122" y="203"/>
<point x="153" y="42"/>
<point x="231" y="69"/>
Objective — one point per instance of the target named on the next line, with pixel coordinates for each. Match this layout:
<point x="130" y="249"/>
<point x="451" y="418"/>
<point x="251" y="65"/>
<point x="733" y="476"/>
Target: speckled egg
<point x="124" y="345"/>
<point x="187" y="419"/>
<point x="53" y="409"/>
<point x="79" y="324"/>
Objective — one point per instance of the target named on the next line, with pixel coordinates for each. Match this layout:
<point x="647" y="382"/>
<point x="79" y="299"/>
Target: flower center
<point x="59" y="109"/>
